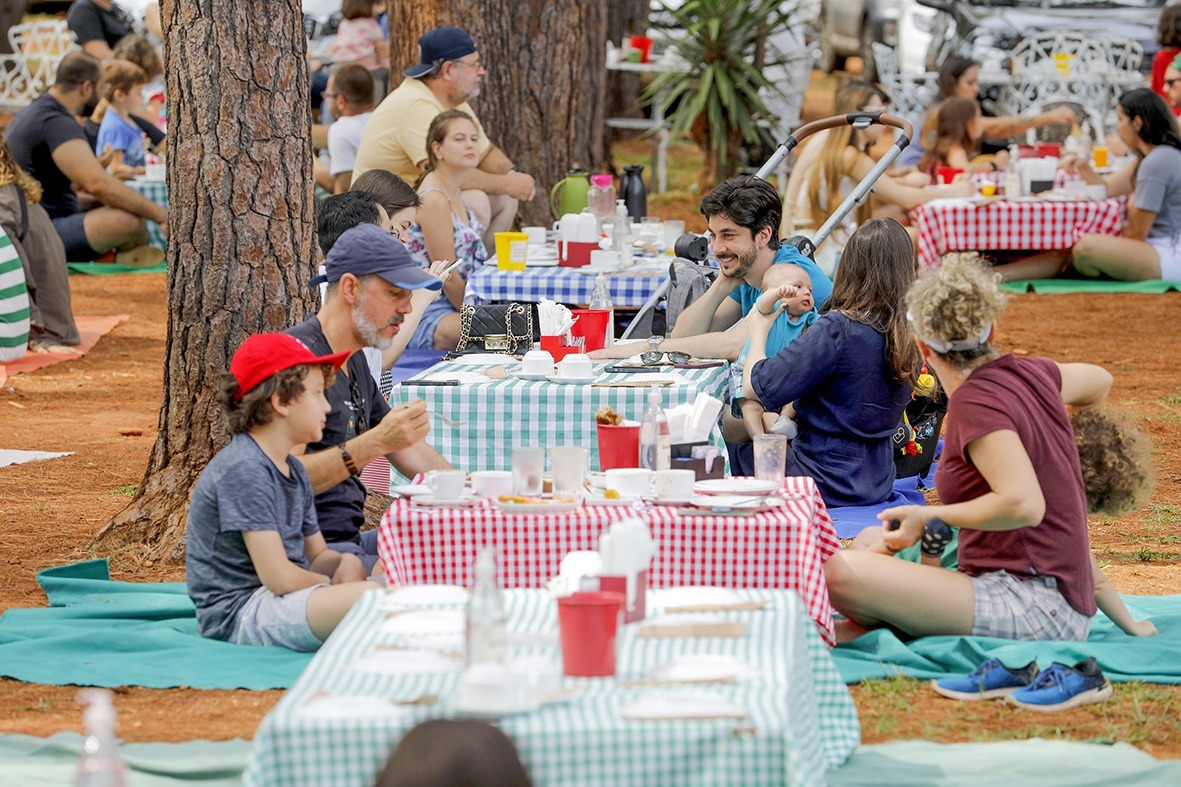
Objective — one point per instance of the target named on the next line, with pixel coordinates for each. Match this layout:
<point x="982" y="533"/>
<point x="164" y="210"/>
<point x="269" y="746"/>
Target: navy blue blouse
<point x="848" y="405"/>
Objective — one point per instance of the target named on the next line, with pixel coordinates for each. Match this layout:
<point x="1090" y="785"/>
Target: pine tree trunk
<point x="543" y="100"/>
<point x="240" y="248"/>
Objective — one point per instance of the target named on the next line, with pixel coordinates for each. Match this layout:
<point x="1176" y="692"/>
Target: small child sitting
<point x="958" y="131"/>
<point x="258" y="568"/>
<point x="122" y="87"/>
<point x="790" y="284"/>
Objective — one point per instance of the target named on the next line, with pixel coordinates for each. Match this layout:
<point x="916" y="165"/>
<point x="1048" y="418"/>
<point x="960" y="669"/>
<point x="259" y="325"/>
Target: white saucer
<point x="467" y="501"/>
<point x="533" y="376"/>
<point x="538" y="508"/>
<point x="409" y="596"/>
<point x="409" y="490"/>
<point x="481" y="710"/>
<point x="597" y="500"/>
<point x="668" y="501"/>
<point x="554" y="378"/>
<point x="740" y="485"/>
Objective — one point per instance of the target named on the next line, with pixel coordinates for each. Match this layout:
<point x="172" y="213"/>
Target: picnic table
<point x="785" y="547"/>
<point x="801" y="719"/>
<point x="1001" y="223"/>
<point x="475" y="426"/>
<point x="157" y="192"/>
<point x="630" y="288"/>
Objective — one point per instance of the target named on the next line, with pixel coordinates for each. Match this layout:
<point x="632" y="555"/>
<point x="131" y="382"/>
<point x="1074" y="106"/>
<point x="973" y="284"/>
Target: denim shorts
<point x="267" y="619"/>
<point x="424" y="335"/>
<point x="72" y="231"/>
<point x="1029" y="609"/>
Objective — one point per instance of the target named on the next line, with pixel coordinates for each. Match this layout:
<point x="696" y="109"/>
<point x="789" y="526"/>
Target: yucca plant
<point x="717" y="99"/>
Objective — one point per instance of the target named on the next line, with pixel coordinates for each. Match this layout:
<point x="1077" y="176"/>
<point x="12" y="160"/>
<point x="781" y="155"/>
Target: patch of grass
<point x="128" y="490"/>
<point x="42" y="705"/>
<point x="1170" y="399"/>
<point x="1164" y="515"/>
<point x="1147" y="555"/>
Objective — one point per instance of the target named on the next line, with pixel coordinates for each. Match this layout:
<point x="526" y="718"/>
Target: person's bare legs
<point x="495" y="211"/>
<point x="874" y="590"/>
<point x="1120" y="258"/>
<point x="112" y="228"/>
<point x="1040" y="266"/>
<point x="327" y="606"/>
<point x="447" y="332"/>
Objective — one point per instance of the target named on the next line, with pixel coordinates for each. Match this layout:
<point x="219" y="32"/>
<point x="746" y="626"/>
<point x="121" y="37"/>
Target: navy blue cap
<point x="367" y="250"/>
<point x="439" y="45"/>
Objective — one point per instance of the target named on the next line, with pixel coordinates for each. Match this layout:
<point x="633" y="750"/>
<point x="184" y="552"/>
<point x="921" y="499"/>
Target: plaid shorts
<point x="267" y="619"/>
<point x="1030" y="609"/>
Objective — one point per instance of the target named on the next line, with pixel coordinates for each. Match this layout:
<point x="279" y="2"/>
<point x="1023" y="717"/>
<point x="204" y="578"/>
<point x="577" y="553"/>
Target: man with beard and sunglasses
<point x="49" y="143"/>
<point x="370" y="278"/>
<point x="743" y="215"/>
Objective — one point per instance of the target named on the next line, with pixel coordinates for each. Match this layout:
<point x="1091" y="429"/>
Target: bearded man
<point x="370" y="278"/>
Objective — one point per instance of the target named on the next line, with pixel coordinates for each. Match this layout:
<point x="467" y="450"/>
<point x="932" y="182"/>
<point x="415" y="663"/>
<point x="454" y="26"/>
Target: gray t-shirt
<point x="1158" y="189"/>
<point x="241" y="489"/>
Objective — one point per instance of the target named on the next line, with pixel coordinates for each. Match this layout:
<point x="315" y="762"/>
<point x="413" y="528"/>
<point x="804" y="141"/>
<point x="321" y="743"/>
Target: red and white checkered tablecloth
<point x="783" y="548"/>
<point x="999" y="224"/>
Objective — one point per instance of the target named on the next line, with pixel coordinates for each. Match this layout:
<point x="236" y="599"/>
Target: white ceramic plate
<point x="695" y="596"/>
<point x="425" y="596"/>
<point x="554" y="378"/>
<point x="467" y="501"/>
<point x="408" y="662"/>
<point x="599" y="500"/>
<point x="736" y="486"/>
<point x="656" y="707"/>
<point x="481" y="710"/>
<point x="410" y="490"/>
<point x="697" y="667"/>
<point x="539" y="376"/>
<point x="548" y="507"/>
<point x="425" y="622"/>
<point x="722" y="504"/>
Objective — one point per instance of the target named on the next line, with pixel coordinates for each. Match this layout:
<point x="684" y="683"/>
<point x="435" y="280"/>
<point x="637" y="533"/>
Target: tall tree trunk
<point x="240" y="249"/>
<point x="543" y="100"/>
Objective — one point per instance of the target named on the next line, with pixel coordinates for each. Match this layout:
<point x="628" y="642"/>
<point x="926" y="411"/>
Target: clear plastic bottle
<point x="485" y="615"/>
<point x="100" y="764"/>
<point x="601" y="299"/>
<point x="601" y="198"/>
<point x="655" y="449"/>
<point x="621" y="233"/>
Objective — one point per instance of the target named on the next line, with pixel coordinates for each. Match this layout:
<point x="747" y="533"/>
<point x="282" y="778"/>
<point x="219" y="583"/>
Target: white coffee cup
<point x="629" y="481"/>
<point x="447" y="484"/>
<point x="536" y="235"/>
<point x="492" y="483"/>
<point x="576" y="365"/>
<point x="673" y="484"/>
<point x="602" y="258"/>
<point x="537" y="362"/>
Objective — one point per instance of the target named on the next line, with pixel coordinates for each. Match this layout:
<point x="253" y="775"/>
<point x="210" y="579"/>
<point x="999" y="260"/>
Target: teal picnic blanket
<point x="1047" y="286"/>
<point x="880" y="654"/>
<point x="97" y="632"/>
<point x="103" y="268"/>
<point x="30" y="761"/>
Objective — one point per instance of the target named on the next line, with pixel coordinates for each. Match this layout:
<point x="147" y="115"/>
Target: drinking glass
<point x="569" y="467"/>
<point x="672" y="231"/>
<point x="770" y="457"/>
<point x="528" y="467"/>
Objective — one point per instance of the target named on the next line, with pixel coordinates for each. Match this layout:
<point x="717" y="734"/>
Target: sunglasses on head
<point x="653" y="357"/>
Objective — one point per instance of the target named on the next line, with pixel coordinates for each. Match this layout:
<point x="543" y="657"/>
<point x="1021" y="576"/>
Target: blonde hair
<point x="121" y="75"/>
<point x="829" y="166"/>
<point x="10" y="172"/>
<point x="955" y="302"/>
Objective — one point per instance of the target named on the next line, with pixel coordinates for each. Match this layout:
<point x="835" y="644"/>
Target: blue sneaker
<point x="990" y="680"/>
<point x="1061" y="687"/>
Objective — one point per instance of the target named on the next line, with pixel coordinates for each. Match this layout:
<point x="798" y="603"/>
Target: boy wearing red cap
<point x="258" y="568"/>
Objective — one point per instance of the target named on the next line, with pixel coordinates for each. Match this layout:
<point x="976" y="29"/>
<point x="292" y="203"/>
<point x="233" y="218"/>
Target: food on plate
<point x="607" y="416"/>
<point x="611" y="494"/>
<point x="523" y="500"/>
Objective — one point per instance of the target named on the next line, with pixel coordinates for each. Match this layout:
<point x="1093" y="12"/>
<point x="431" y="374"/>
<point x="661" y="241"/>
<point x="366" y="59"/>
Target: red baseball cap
<point x="264" y="354"/>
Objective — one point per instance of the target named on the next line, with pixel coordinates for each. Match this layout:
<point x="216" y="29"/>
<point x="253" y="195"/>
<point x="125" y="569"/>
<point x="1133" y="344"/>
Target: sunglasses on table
<point x="655" y="357"/>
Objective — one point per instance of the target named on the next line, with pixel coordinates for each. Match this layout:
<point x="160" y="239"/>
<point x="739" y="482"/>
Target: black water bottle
<point x="634" y="192"/>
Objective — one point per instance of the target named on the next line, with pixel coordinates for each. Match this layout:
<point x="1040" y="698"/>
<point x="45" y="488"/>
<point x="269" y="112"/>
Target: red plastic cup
<point x="592" y="326"/>
<point x="588" y="623"/>
<point x="553" y="345"/>
<point x="619" y="446"/>
<point x="947" y="174"/>
<point x="1049" y="150"/>
<point x="643" y="45"/>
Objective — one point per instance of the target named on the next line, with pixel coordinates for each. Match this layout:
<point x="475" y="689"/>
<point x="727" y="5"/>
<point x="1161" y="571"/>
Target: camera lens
<point x="691" y="246"/>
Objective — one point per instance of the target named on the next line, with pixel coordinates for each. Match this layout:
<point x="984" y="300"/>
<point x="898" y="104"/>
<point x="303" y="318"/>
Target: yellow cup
<point x="512" y="249"/>
<point x="1100" y="154"/>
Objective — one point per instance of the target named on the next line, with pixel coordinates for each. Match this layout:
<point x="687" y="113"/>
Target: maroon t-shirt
<point x="1023" y="395"/>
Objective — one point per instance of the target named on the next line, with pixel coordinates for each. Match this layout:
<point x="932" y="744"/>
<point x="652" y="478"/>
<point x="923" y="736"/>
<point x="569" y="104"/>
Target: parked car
<point x="990" y="29"/>
<point x="850" y="27"/>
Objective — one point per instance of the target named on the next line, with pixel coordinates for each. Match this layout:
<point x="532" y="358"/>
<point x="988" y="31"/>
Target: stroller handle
<point x="855" y="119"/>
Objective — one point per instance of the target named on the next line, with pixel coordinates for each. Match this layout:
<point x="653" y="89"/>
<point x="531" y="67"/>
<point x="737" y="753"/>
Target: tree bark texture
<point x="11" y="12"/>
<point x="544" y="98"/>
<point x="242" y="216"/>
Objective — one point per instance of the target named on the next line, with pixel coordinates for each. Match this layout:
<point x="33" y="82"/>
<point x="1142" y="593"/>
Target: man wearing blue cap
<point x="370" y="277"/>
<point x="448" y="77"/>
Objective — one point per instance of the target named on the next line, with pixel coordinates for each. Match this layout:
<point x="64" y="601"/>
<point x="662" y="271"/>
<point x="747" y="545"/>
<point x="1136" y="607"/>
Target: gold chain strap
<point x="465" y="327"/>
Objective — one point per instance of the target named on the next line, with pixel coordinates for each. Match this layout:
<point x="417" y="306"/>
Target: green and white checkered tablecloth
<point x="485" y="420"/>
<point x="157" y="192"/>
<point x="801" y="717"/>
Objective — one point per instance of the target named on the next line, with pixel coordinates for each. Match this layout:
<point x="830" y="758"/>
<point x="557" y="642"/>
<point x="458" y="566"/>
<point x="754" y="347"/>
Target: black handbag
<point x="495" y="328"/>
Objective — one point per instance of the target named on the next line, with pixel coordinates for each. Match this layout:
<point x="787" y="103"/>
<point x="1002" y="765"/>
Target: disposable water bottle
<point x="655" y="449"/>
<point x="620" y="234"/>
<point x="100" y="764"/>
<point x="601" y="299"/>
<point x="485" y="641"/>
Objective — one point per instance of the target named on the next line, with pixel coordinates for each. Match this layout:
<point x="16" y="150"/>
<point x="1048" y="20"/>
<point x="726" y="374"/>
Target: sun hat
<point x="264" y="354"/>
<point x="366" y="250"/>
<point x="438" y="46"/>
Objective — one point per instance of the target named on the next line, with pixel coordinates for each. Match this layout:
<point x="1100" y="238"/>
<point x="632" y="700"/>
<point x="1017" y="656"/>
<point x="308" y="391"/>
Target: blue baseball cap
<point x="367" y="250"/>
<point x="438" y="46"/>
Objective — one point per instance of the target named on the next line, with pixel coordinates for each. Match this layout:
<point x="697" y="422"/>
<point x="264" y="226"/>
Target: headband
<point x="958" y="345"/>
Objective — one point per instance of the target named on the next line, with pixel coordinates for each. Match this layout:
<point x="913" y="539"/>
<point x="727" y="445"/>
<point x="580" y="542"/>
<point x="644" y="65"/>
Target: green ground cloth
<point x="30" y="761"/>
<point x="102" y="633"/>
<point x="1045" y="763"/>
<point x="880" y="654"/>
<point x="1046" y="286"/>
<point x="103" y="268"/>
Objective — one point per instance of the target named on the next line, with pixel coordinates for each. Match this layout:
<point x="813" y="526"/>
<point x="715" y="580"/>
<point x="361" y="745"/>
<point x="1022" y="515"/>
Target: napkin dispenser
<point x="575" y="254"/>
<point x="626" y="551"/>
<point x="634" y="587"/>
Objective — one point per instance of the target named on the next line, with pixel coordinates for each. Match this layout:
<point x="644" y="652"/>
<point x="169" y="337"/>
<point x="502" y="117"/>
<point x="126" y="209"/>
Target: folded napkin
<point x="662" y="706"/>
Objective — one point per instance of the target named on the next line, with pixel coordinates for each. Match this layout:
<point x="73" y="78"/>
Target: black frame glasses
<point x="360" y="419"/>
<point x="654" y="357"/>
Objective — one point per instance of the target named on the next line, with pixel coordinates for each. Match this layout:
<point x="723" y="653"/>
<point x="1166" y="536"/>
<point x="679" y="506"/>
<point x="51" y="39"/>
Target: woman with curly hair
<point x="1009" y="479"/>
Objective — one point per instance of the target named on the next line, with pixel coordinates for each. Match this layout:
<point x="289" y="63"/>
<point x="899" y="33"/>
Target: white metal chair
<point x="38" y="49"/>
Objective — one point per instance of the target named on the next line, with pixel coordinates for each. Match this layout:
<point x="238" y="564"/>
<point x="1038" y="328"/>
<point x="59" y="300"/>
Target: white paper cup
<point x="492" y="483"/>
<point x="447" y="484"/>
<point x="629" y="481"/>
<point x="673" y="484"/>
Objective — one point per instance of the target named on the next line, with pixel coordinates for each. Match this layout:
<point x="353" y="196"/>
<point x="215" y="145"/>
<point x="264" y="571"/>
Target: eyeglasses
<point x="654" y="357"/>
<point x="359" y="421"/>
<point x="470" y="63"/>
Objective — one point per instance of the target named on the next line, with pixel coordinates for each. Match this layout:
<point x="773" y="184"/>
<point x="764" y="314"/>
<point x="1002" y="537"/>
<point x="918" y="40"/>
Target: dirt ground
<point x="50" y="510"/>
